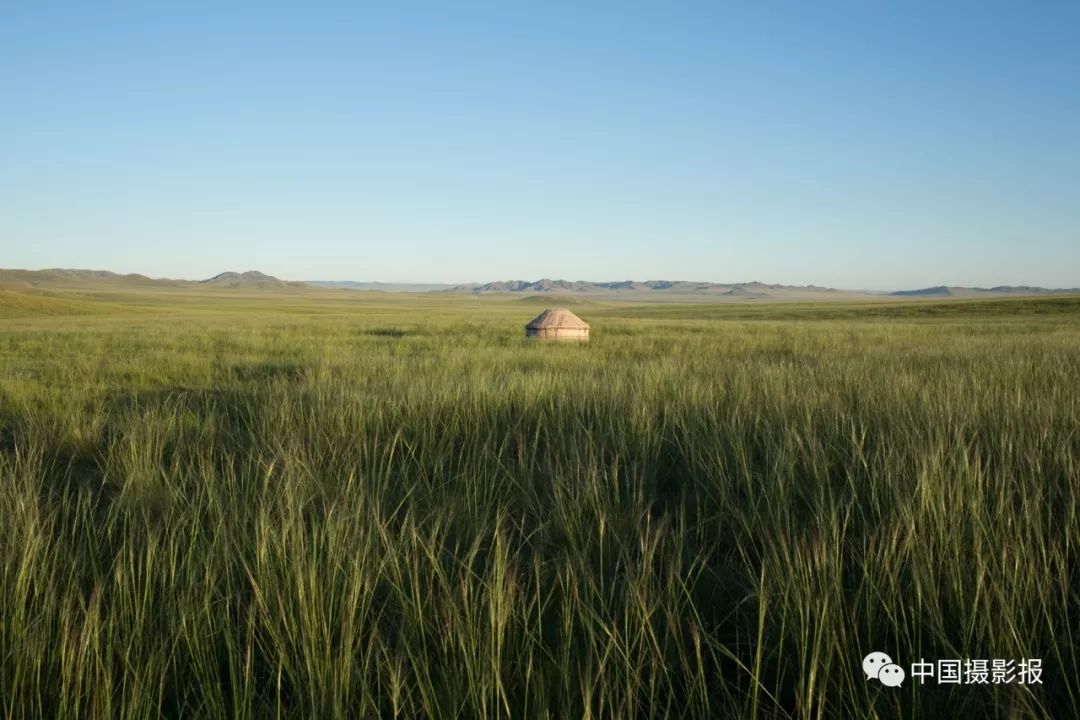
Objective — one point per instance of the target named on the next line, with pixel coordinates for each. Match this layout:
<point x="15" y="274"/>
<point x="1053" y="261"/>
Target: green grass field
<point x="327" y="505"/>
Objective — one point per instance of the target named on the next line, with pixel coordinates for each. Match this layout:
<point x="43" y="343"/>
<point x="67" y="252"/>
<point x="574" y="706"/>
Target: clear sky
<point x="861" y="145"/>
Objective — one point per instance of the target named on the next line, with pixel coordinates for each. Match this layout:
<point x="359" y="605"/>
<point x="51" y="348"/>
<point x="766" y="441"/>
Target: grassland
<point x="338" y="504"/>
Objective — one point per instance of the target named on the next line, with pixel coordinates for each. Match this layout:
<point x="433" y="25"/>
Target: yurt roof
<point x="557" y="317"/>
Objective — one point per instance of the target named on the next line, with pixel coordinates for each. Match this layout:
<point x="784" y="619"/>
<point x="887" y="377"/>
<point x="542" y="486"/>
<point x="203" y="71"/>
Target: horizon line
<point x="552" y="279"/>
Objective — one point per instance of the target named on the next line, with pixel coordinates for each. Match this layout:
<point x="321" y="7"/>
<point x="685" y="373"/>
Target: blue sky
<point x="873" y="145"/>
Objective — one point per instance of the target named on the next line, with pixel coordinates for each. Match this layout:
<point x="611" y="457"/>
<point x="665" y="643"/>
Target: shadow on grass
<point x="266" y="371"/>
<point x="390" y="332"/>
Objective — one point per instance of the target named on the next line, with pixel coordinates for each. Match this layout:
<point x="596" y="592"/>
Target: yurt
<point x="558" y="324"/>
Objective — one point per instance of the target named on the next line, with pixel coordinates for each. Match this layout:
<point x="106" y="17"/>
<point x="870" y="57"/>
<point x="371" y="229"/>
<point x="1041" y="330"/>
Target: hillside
<point x="20" y="304"/>
<point x="249" y="279"/>
<point x="68" y="279"/>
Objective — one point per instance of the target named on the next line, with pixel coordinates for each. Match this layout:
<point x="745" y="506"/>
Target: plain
<point x="343" y="504"/>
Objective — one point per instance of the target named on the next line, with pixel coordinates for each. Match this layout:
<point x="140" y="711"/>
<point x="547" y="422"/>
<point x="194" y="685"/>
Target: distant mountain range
<point x="749" y="290"/>
<point x="254" y="280"/>
<point x="380" y="286"/>
<point x="945" y="291"/>
<point x="681" y="287"/>
<point x="64" y="278"/>
<point x="59" y="277"/>
<point x="731" y="291"/>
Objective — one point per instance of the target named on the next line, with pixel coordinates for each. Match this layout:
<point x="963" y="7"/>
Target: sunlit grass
<point x="404" y="509"/>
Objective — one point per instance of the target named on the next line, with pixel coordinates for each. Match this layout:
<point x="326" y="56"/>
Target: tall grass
<point x="368" y="516"/>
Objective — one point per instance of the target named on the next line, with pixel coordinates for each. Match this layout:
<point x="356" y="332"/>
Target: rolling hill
<point x="249" y="280"/>
<point x="70" y="279"/>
